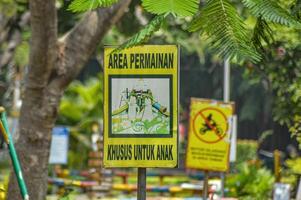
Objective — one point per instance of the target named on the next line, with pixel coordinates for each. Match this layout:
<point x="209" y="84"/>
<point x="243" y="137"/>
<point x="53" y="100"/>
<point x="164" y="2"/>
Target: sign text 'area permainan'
<point x="141" y="106"/>
<point x="141" y="61"/>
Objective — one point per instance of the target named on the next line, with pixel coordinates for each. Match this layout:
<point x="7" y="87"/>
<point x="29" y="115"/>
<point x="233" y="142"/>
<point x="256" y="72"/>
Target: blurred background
<point x="267" y="100"/>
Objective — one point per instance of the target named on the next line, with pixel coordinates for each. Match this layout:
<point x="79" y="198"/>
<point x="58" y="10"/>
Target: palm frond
<point x="86" y="5"/>
<point x="271" y="11"/>
<point x="176" y="7"/>
<point x="219" y="20"/>
<point x="262" y="33"/>
<point x="296" y="9"/>
<point x="143" y="35"/>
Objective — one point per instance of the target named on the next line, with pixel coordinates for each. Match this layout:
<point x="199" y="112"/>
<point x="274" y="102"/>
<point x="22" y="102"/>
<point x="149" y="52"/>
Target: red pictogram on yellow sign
<point x="210" y="125"/>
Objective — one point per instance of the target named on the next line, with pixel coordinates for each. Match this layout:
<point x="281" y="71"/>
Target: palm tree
<point x="219" y="20"/>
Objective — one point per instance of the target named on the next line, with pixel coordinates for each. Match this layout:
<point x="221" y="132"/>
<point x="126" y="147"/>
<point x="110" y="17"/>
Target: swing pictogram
<point x="210" y="125"/>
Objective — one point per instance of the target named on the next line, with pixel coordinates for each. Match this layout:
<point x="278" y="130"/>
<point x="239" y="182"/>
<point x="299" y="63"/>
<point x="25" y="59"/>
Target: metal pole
<point x="277" y="165"/>
<point x="223" y="184"/>
<point x="226" y="97"/>
<point x="205" y="185"/>
<point x="227" y="80"/>
<point x="141" y="185"/>
<point x="13" y="154"/>
<point x="233" y="140"/>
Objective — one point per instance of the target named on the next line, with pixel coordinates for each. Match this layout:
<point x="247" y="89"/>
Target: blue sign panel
<point x="59" y="145"/>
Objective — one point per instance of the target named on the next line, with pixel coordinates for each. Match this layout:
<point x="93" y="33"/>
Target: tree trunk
<point x="53" y="65"/>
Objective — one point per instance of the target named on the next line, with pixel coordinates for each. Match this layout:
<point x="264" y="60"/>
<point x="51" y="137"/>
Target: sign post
<point x="226" y="94"/>
<point x="141" y="109"/>
<point x="226" y="91"/>
<point x="205" y="185"/>
<point x="141" y="184"/>
<point x="58" y="149"/>
<point x="209" y="136"/>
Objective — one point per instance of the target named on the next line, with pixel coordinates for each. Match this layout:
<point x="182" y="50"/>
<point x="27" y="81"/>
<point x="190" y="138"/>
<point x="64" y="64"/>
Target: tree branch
<point x="77" y="46"/>
<point x="43" y="21"/>
<point x="12" y="36"/>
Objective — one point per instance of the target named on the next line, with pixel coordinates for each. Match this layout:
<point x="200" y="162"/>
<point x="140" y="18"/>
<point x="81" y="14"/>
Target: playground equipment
<point x="13" y="154"/>
<point x="136" y="101"/>
<point x="177" y="183"/>
<point x="129" y="188"/>
<point x="96" y="181"/>
<point x="140" y="97"/>
<point x="139" y="112"/>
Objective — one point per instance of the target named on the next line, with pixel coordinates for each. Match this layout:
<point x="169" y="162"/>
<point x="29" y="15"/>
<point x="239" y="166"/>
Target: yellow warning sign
<point x="209" y="135"/>
<point x="141" y="106"/>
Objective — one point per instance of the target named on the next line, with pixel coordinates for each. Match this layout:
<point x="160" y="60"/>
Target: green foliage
<point x="264" y="135"/>
<point x="295" y="129"/>
<point x="144" y="34"/>
<point x="68" y="194"/>
<point x="181" y="8"/>
<point x="81" y="103"/>
<point x="246" y="151"/>
<point x="80" y="108"/>
<point x="220" y="21"/>
<point x="271" y="11"/>
<point x="9" y="8"/>
<point x="294" y="165"/>
<point x="280" y="74"/>
<point x="296" y="9"/>
<point x="251" y="182"/>
<point x="67" y="197"/>
<point x="283" y="71"/>
<point x="262" y="33"/>
<point x="21" y="54"/>
<point x="292" y="172"/>
<point x="85" y="5"/>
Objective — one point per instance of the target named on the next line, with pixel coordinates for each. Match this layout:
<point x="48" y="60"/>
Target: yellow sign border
<point x="173" y="140"/>
<point x="188" y="162"/>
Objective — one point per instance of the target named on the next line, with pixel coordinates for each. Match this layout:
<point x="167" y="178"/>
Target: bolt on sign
<point x="141" y="106"/>
<point x="209" y="135"/>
